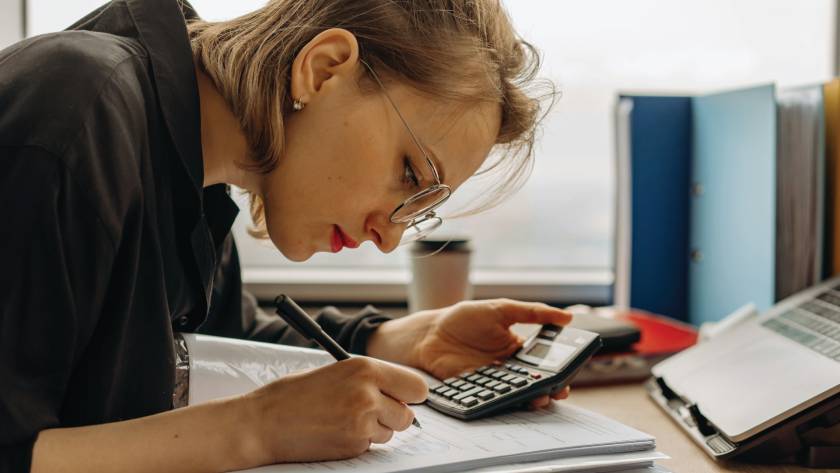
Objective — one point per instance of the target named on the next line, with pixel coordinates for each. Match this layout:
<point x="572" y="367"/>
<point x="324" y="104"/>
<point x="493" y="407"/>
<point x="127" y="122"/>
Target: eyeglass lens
<point x="420" y="229"/>
<point x="421" y="204"/>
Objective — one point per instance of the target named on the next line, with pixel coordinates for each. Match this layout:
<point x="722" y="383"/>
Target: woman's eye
<point x="410" y="177"/>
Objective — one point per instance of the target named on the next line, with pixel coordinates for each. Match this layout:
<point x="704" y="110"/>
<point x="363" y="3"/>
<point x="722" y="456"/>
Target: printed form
<point x="222" y="367"/>
<point x="447" y="444"/>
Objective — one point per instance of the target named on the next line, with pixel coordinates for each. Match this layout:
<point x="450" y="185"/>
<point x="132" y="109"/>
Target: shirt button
<point x="183" y="320"/>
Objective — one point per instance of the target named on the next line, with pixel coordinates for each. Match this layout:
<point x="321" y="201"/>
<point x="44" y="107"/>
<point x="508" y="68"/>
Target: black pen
<point x="299" y="320"/>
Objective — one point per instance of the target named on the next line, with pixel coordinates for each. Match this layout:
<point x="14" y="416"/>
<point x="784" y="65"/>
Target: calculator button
<point x="509" y="366"/>
<point x="466" y="386"/>
<point x="518" y="382"/>
<point x="485" y="369"/>
<point x="482" y="380"/>
<point x="506" y="378"/>
<point x="548" y="334"/>
<point x="488" y="372"/>
<point x="441" y="389"/>
<point x="450" y="393"/>
<point x="491" y="384"/>
<point x="498" y="374"/>
<point x="469" y="401"/>
<point x="536" y="375"/>
<point x="473" y="377"/>
<point x="449" y="380"/>
<point x="457" y="383"/>
<point x="501" y="388"/>
<point x="466" y="394"/>
<point x="486" y="394"/>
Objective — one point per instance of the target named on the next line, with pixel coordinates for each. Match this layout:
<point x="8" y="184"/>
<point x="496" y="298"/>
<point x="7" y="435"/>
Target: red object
<point x="660" y="335"/>
<point x="660" y="338"/>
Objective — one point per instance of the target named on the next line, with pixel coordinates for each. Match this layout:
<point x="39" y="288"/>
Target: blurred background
<point x="554" y="239"/>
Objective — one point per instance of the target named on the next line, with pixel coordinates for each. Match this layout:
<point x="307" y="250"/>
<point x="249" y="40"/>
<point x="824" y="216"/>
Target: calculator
<point x="546" y="362"/>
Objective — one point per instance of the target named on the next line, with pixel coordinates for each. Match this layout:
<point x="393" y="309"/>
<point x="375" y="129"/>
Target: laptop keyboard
<point x="814" y="324"/>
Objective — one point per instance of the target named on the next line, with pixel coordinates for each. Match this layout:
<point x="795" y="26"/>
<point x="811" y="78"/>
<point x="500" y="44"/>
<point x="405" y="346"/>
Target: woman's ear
<point x="327" y="59"/>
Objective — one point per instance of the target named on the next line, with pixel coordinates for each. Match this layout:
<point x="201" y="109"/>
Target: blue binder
<point x="660" y="148"/>
<point x="733" y="209"/>
<point x="703" y="174"/>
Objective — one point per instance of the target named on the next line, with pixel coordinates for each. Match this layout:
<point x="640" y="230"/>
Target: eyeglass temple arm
<point x="402" y="119"/>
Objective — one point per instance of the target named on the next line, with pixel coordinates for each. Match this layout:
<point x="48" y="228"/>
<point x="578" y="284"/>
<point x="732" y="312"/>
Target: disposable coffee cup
<point x="440" y="273"/>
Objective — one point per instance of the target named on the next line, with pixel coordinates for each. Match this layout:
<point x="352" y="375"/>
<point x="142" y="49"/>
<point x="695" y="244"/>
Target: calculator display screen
<point x="539" y="350"/>
<point x="548" y="356"/>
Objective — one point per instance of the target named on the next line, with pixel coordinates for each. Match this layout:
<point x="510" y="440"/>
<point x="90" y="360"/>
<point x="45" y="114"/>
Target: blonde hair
<point x="459" y="50"/>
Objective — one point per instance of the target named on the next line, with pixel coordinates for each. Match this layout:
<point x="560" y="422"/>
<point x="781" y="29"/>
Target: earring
<point x="298" y="105"/>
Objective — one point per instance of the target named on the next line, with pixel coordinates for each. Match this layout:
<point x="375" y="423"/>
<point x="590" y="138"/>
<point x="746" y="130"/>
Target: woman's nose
<point x="385" y="234"/>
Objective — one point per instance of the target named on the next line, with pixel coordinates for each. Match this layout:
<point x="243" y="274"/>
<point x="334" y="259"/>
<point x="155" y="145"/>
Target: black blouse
<point x="110" y="242"/>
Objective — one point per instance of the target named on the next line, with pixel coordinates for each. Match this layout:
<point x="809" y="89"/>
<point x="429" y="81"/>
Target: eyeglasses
<point x="418" y="211"/>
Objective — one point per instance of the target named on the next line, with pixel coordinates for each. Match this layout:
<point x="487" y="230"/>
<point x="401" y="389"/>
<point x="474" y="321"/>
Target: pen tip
<point x="416" y="423"/>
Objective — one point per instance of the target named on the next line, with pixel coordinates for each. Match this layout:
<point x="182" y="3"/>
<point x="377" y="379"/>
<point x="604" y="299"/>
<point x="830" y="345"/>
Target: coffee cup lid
<point x="448" y="245"/>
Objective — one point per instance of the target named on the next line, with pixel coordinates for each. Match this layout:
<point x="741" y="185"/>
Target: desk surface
<point x="629" y="404"/>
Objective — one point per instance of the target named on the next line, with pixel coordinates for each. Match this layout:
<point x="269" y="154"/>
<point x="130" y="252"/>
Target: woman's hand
<point x="446" y="342"/>
<point x="325" y="414"/>
<point x="332" y="412"/>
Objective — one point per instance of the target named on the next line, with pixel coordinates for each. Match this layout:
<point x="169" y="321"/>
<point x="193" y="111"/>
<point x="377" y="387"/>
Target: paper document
<point x="446" y="444"/>
<point x="222" y="367"/>
<point x="650" y="469"/>
<point x="600" y="463"/>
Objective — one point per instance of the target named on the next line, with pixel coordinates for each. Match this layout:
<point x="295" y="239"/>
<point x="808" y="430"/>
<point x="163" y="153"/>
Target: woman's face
<point x="349" y="162"/>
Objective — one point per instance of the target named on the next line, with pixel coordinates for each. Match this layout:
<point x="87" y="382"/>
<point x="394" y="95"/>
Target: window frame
<point x="329" y="285"/>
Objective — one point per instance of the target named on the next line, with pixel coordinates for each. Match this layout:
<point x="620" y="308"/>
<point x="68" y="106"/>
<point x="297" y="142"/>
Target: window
<point x="11" y="22"/>
<point x="553" y="240"/>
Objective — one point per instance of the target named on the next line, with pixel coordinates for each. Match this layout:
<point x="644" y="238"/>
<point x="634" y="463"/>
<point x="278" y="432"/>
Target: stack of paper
<point x="559" y="438"/>
<point x="446" y="444"/>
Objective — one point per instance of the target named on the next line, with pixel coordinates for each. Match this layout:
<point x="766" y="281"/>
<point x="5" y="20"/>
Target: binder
<point x="654" y="185"/>
<point x="831" y="93"/>
<point x="700" y="173"/>
<point x="733" y="214"/>
<point x="800" y="197"/>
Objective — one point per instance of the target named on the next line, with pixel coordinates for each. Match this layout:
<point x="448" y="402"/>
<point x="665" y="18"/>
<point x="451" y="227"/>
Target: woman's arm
<point x="206" y="437"/>
<point x="329" y="413"/>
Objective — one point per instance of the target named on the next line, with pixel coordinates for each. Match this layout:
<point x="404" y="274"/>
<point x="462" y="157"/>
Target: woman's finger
<point x="381" y="434"/>
<point x="531" y="313"/>
<point x="562" y="394"/>
<point x="395" y="415"/>
<point x="539" y="402"/>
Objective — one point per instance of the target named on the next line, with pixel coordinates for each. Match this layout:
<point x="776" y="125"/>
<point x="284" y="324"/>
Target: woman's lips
<point x="340" y="239"/>
<point x="346" y="240"/>
<point x="336" y="242"/>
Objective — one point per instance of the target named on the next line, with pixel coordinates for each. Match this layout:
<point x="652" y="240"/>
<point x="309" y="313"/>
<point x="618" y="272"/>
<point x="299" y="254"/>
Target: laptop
<point x="760" y="384"/>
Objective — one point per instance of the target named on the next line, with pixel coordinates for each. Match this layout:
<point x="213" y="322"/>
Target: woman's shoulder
<point x="84" y="99"/>
<point x="50" y="85"/>
<point x="87" y="51"/>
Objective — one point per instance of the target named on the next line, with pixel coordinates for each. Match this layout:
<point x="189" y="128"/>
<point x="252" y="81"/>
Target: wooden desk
<point x="630" y="404"/>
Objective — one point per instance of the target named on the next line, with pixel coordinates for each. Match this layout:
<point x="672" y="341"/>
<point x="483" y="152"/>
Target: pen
<point x="299" y="320"/>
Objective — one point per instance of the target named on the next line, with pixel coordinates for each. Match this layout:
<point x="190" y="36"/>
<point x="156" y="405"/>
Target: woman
<point x="345" y="121"/>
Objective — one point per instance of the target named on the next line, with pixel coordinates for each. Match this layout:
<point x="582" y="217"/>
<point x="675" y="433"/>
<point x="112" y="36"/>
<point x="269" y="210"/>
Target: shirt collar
<point x="161" y="25"/>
